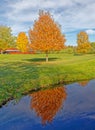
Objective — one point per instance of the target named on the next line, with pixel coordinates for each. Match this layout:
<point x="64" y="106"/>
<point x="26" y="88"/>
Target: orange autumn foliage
<point x="82" y="37"/>
<point x="22" y="42"/>
<point x="83" y="43"/>
<point x="46" y="103"/>
<point x="84" y="48"/>
<point x="46" y="35"/>
<point x="83" y="83"/>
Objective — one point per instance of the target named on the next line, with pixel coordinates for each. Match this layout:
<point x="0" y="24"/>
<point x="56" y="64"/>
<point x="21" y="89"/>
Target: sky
<point x="73" y="16"/>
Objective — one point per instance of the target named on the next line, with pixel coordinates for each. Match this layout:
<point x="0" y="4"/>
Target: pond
<point x="69" y="107"/>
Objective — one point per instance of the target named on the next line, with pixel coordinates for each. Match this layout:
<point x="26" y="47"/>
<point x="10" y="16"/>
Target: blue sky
<point x="73" y="15"/>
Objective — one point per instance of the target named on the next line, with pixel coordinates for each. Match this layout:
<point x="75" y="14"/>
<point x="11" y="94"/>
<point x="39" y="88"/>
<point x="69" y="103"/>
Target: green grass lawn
<point x="20" y="74"/>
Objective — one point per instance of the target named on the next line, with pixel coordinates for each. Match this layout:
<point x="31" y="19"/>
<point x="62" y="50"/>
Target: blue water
<point x="69" y="107"/>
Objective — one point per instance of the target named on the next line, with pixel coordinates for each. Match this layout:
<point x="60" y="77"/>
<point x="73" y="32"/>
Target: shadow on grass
<point x="41" y="59"/>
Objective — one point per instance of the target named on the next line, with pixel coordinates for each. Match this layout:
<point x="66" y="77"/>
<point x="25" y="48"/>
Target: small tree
<point x="83" y="43"/>
<point x="22" y="42"/>
<point x="6" y="38"/>
<point x="46" y="35"/>
<point x="82" y="37"/>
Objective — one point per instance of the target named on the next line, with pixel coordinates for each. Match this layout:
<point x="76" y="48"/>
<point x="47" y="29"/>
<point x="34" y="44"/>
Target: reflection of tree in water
<point x="46" y="103"/>
<point x="83" y="83"/>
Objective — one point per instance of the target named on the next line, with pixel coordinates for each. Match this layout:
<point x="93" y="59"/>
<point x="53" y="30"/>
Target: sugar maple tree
<point x="46" y="103"/>
<point x="46" y="35"/>
<point x="22" y="42"/>
<point x="83" y="43"/>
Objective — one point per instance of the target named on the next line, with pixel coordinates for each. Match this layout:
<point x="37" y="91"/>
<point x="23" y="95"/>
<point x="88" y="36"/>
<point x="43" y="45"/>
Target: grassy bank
<point x="21" y="73"/>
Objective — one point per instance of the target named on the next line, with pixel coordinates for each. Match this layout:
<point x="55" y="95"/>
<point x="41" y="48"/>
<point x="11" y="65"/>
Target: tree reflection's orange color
<point x="83" y="83"/>
<point x="46" y="103"/>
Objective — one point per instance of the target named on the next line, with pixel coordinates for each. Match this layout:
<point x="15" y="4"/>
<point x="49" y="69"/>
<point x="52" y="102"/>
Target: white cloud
<point x="72" y="15"/>
<point x="26" y="17"/>
<point x="26" y="4"/>
<point x="90" y="31"/>
<point x="19" y="28"/>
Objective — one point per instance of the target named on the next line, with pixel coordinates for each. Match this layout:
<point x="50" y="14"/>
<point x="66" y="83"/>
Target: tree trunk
<point x="46" y="56"/>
